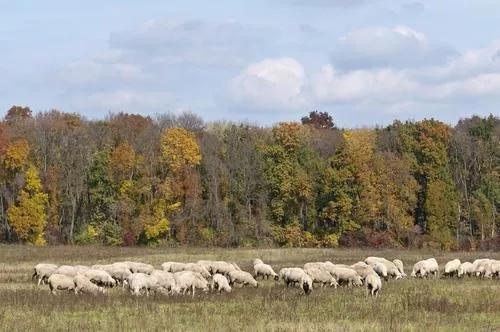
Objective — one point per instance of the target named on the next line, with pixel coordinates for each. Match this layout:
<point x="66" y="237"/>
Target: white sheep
<point x="321" y="277"/>
<point x="297" y="276"/>
<point x="71" y="271"/>
<point x="188" y="280"/>
<point x="399" y="264"/>
<point x="392" y="269"/>
<point x="165" y="279"/>
<point x="347" y="276"/>
<point x="451" y="268"/>
<point x="425" y="267"/>
<point x="173" y="266"/>
<point x="465" y="268"/>
<point x="206" y="264"/>
<point x="84" y="285"/>
<point x="100" y="277"/>
<point x="242" y="278"/>
<point x="257" y="261"/>
<point x="222" y="267"/>
<point x="119" y="273"/>
<point x="137" y="267"/>
<point x="282" y="274"/>
<point x="494" y="269"/>
<point x="362" y="269"/>
<point x="480" y="266"/>
<point x="380" y="269"/>
<point x="220" y="283"/>
<point x="141" y="281"/>
<point x="60" y="282"/>
<point x="265" y="271"/>
<point x="43" y="271"/>
<point x="373" y="284"/>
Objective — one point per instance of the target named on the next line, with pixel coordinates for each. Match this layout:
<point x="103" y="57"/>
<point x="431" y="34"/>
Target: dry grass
<point x="407" y="305"/>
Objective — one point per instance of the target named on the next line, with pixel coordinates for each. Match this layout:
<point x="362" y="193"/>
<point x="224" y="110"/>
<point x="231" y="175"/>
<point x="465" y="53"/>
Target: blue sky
<point x="366" y="62"/>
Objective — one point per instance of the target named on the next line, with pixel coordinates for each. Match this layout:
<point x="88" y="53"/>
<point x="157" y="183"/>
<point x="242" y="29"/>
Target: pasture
<point x="403" y="305"/>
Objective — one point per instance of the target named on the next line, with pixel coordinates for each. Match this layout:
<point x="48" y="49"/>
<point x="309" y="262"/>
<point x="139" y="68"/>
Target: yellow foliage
<point x="122" y="159"/>
<point x="16" y="155"/>
<point x="287" y="134"/>
<point x="180" y="149"/>
<point x="28" y="217"/>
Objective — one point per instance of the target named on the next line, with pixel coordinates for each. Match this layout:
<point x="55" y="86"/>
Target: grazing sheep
<point x="178" y="267"/>
<point x="362" y="269"/>
<point x="136" y="267"/>
<point x="71" y="271"/>
<point x="222" y="267"/>
<point x="60" y="282"/>
<point x="242" y="277"/>
<point x="257" y="261"/>
<point x="399" y="264"/>
<point x="165" y="279"/>
<point x="84" y="285"/>
<point x="43" y="271"/>
<point x="466" y="268"/>
<point x="480" y="266"/>
<point x="392" y="269"/>
<point x="206" y="264"/>
<point x="372" y="260"/>
<point x="173" y="267"/>
<point x="100" y="277"/>
<point x="282" y="274"/>
<point x="220" y="283"/>
<point x="425" y="267"/>
<point x="141" y="281"/>
<point x="120" y="274"/>
<point x="188" y="280"/>
<point x="264" y="270"/>
<point x="380" y="269"/>
<point x="318" y="265"/>
<point x="347" y="276"/>
<point x="494" y="270"/>
<point x="321" y="277"/>
<point x="451" y="268"/>
<point x="297" y="276"/>
<point x="432" y="267"/>
<point x="373" y="284"/>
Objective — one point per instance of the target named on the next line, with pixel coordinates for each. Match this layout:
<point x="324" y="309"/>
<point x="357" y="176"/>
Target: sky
<point x="366" y="62"/>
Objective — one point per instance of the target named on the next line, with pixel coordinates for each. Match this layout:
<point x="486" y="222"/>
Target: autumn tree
<point x="27" y="216"/>
<point x="181" y="154"/>
<point x="320" y="120"/>
<point x="17" y="113"/>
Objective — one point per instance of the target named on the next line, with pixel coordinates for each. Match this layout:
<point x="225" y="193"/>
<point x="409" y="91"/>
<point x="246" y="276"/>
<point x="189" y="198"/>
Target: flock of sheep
<point x="221" y="276"/>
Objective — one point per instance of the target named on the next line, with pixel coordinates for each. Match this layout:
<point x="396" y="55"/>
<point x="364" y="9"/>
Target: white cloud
<point x="376" y="85"/>
<point x="399" y="47"/>
<point x="128" y="101"/>
<point x="193" y="42"/>
<point x="272" y="83"/>
<point x="96" y="70"/>
<point x="283" y="84"/>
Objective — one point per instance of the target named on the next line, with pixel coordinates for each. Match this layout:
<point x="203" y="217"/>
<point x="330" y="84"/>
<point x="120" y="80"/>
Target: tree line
<point x="174" y="179"/>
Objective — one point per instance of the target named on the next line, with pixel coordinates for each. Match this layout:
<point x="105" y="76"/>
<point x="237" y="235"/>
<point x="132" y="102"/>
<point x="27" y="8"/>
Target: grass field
<point x="468" y="304"/>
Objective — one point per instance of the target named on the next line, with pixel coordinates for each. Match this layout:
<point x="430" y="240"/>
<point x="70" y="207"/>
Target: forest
<point x="172" y="179"/>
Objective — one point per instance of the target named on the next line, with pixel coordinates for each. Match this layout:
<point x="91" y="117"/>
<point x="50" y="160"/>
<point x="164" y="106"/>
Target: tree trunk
<point x="72" y="226"/>
<point x="493" y="217"/>
<point x="4" y="220"/>
<point x="458" y="223"/>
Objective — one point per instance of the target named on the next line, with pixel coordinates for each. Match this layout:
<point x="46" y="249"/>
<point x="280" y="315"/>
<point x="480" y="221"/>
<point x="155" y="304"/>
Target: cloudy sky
<point x="366" y="62"/>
